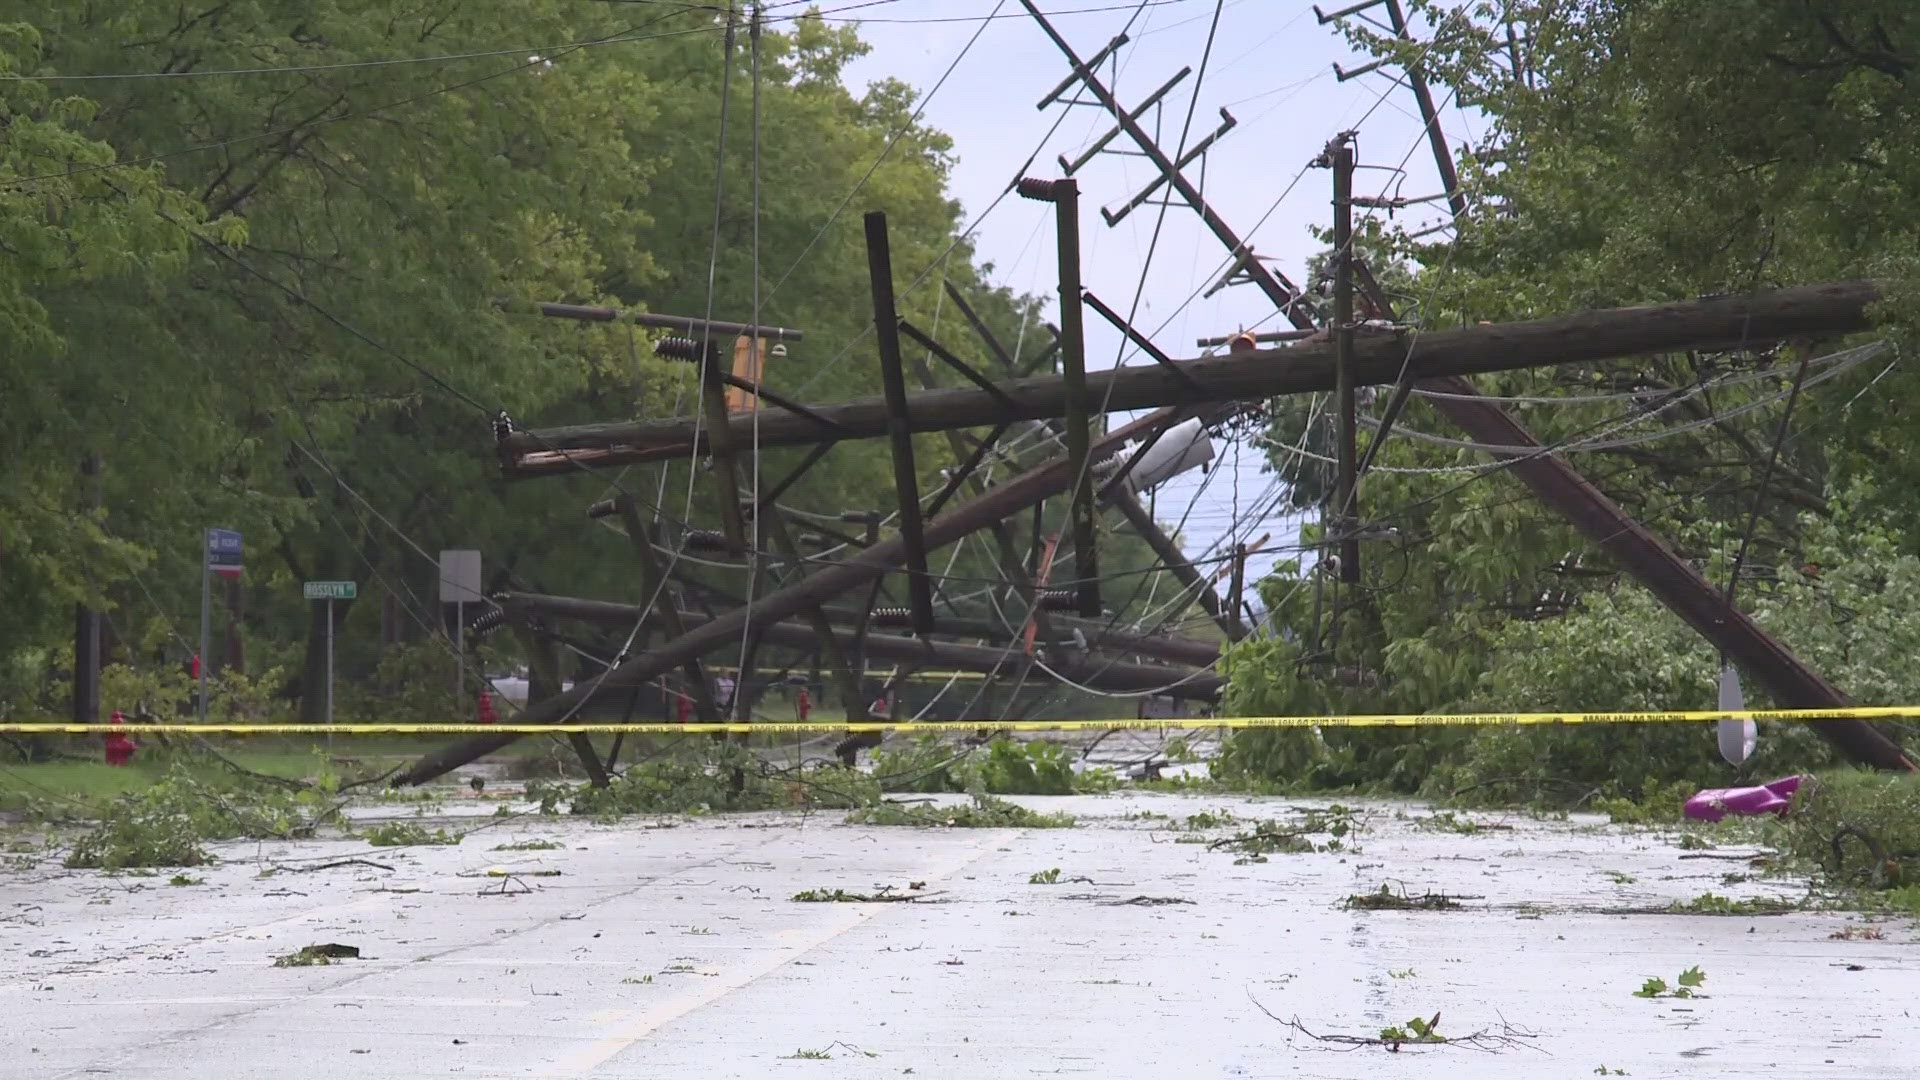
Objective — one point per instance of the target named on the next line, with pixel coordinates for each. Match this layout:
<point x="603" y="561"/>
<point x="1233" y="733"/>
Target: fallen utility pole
<point x="1051" y="478"/>
<point x="1793" y="683"/>
<point x="653" y="582"/>
<point x="1713" y="323"/>
<point x="1102" y="674"/>
<point x="545" y="669"/>
<point x="1176" y="562"/>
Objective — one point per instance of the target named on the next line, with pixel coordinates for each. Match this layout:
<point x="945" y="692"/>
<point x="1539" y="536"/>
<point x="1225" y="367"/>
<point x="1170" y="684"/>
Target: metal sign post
<point x="222" y="557"/>
<point x="329" y="591"/>
<point x="460" y="586"/>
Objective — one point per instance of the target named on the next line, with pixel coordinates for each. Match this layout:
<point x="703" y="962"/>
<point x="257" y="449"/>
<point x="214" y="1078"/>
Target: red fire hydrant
<point x="802" y="704"/>
<point x="487" y="715"/>
<point x="682" y="708"/>
<point x="118" y="746"/>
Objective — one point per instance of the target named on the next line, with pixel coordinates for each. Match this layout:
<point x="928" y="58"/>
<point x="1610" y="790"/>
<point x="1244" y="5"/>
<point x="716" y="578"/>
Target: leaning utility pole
<point x="1558" y="485"/>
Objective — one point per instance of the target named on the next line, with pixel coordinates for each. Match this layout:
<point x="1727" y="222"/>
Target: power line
<point x="919" y="108"/>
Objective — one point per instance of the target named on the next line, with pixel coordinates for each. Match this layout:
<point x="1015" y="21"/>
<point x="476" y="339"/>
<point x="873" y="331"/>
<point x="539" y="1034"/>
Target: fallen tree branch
<point x="334" y="865"/>
<point x="1249" y="838"/>
<point x="1484" y="1040"/>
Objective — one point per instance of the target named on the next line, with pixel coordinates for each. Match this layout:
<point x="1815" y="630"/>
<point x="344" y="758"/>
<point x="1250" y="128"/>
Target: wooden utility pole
<point x="1717" y="322"/>
<point x="1223" y="615"/>
<point x="1064" y="194"/>
<point x="543" y="669"/>
<point x="86" y="621"/>
<point x="906" y="483"/>
<point x="653" y="583"/>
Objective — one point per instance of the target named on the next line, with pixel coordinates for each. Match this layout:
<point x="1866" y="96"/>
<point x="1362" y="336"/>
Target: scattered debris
<point x="1859" y="933"/>
<point x="1263" y="841"/>
<point x="334" y="865"/>
<point x="1273" y="837"/>
<point x="986" y="812"/>
<point x="1388" y="900"/>
<point x="841" y="896"/>
<point x="1715" y="904"/>
<point x="530" y="845"/>
<point x="1417" y="1032"/>
<point x="407" y="834"/>
<point x="827" y="1055"/>
<point x="317" y="956"/>
<point x="1147" y="901"/>
<point x="1448" y="821"/>
<point x="1688" y="985"/>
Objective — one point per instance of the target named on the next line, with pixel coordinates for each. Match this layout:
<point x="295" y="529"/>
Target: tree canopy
<point x="255" y="257"/>
<point x="1636" y="150"/>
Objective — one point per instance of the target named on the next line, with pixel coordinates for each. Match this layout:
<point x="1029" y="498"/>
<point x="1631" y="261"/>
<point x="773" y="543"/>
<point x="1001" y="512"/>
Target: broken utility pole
<point x="1051" y="478"/>
<point x="1064" y="194"/>
<point x="893" y="379"/>
<point x="1099" y="672"/>
<point x="1672" y="579"/>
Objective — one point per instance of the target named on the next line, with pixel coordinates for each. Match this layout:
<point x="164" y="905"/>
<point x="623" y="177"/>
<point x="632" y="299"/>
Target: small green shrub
<point x="168" y="823"/>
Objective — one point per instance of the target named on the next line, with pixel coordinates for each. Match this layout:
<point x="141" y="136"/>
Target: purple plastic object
<point x="1716" y="803"/>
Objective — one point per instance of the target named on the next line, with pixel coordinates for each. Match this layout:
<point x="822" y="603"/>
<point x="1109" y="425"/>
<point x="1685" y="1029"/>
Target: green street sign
<point x="330" y="590"/>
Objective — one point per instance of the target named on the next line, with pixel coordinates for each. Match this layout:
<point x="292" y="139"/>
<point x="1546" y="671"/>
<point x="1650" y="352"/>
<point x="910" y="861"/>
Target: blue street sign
<point x="223" y="552"/>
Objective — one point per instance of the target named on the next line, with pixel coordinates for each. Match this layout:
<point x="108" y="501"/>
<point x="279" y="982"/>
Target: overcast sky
<point x="1270" y="67"/>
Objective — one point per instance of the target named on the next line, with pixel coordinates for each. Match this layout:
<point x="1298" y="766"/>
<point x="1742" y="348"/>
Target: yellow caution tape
<point x="950" y="726"/>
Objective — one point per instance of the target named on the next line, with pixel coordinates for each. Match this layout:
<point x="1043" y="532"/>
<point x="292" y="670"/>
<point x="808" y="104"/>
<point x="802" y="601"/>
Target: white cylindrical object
<point x="1185" y="446"/>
